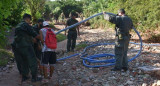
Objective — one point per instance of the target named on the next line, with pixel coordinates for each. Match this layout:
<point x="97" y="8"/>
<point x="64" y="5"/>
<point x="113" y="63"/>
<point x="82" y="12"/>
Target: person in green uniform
<point x="123" y="26"/>
<point x="24" y="47"/>
<point x="37" y="43"/>
<point x="72" y="33"/>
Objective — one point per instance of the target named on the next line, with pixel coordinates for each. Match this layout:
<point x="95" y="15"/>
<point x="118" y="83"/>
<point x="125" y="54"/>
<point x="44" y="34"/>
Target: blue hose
<point x="68" y="57"/>
<point x="92" y="58"/>
<point x="109" y="62"/>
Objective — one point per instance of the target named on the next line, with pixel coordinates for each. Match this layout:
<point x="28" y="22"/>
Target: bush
<point x="5" y="57"/>
<point x="145" y="14"/>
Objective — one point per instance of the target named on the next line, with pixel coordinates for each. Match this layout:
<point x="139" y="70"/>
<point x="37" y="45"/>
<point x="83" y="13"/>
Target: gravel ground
<point x="72" y="72"/>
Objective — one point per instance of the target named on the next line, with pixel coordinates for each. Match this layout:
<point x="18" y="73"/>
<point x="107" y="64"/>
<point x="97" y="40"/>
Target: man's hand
<point x="34" y="40"/>
<point x="104" y="12"/>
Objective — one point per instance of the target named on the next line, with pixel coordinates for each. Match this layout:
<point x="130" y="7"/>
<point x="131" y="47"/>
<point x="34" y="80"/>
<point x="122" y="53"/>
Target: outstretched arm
<point x="78" y="30"/>
<point x="110" y="17"/>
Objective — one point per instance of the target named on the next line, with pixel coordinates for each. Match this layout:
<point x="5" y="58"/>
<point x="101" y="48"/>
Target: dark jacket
<point x="23" y="35"/>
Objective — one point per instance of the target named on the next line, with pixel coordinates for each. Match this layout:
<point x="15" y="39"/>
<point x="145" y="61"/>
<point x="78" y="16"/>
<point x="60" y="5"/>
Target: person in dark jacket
<point x="24" y="48"/>
<point x="37" y="43"/>
<point x="123" y="26"/>
<point x="72" y="33"/>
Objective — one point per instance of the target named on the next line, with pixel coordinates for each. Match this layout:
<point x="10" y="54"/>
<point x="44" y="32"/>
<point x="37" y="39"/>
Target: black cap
<point x="73" y="13"/>
<point x="121" y="11"/>
<point x="40" y="20"/>
<point x="27" y="16"/>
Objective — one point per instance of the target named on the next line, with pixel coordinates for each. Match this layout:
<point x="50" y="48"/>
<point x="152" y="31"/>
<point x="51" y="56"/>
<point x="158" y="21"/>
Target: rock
<point x="137" y="64"/>
<point x="132" y="79"/>
<point x="64" y="64"/>
<point x="78" y="70"/>
<point x="95" y="81"/>
<point x="146" y="75"/>
<point x="158" y="82"/>
<point x="95" y="70"/>
<point x="157" y="73"/>
<point x="111" y="78"/>
<point x="154" y="84"/>
<point x="144" y="84"/>
<point x="5" y="68"/>
<point x="84" y="80"/>
<point x="121" y="85"/>
<point x="148" y="68"/>
<point x="129" y="82"/>
<point x="106" y="84"/>
<point x="91" y="77"/>
<point x="134" y="73"/>
<point x="73" y="67"/>
<point x="123" y="74"/>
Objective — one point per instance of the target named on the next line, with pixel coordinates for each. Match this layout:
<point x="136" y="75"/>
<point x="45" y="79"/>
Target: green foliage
<point x="144" y="13"/>
<point x="36" y="8"/>
<point x="5" y="11"/>
<point x="65" y="6"/>
<point x="92" y="7"/>
<point x="47" y="13"/>
<point x="16" y="14"/>
<point x="5" y="57"/>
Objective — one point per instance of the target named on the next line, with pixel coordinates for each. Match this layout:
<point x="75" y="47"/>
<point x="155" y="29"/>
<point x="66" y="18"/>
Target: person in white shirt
<point x="48" y="54"/>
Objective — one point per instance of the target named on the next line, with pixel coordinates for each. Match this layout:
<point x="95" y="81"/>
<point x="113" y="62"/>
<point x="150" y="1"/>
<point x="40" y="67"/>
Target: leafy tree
<point x="16" y="14"/>
<point x="144" y="13"/>
<point x="36" y="8"/>
<point x="47" y="13"/>
<point x="5" y="11"/>
<point x="65" y="6"/>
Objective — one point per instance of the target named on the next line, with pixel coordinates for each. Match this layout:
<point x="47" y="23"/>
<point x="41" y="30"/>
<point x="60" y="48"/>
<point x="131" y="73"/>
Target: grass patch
<point x="81" y="46"/>
<point x="5" y="57"/>
<point x="61" y="37"/>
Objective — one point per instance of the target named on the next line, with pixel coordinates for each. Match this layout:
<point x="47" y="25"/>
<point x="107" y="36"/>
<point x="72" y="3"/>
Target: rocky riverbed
<point x="72" y="72"/>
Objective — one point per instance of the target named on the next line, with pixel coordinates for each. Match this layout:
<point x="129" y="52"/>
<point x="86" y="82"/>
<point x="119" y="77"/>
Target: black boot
<point x="35" y="79"/>
<point x="125" y="68"/>
<point x="24" y="78"/>
<point x="115" y="69"/>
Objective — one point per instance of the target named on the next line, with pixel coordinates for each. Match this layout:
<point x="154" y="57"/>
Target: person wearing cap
<point x="123" y="25"/>
<point x="48" y="54"/>
<point x="24" y="48"/>
<point x="37" y="44"/>
<point x="72" y="33"/>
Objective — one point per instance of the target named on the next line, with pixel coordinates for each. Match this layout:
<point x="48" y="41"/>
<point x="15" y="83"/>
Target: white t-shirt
<point x="45" y="48"/>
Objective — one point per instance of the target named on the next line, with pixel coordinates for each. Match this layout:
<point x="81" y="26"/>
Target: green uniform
<point x="123" y="26"/>
<point x="38" y="44"/>
<point x="17" y="58"/>
<point x="24" y="48"/>
<point x="72" y="34"/>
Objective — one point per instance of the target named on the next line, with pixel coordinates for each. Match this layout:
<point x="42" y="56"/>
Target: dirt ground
<point x="72" y="72"/>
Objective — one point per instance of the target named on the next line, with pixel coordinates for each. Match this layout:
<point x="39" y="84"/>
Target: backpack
<point x="50" y="39"/>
